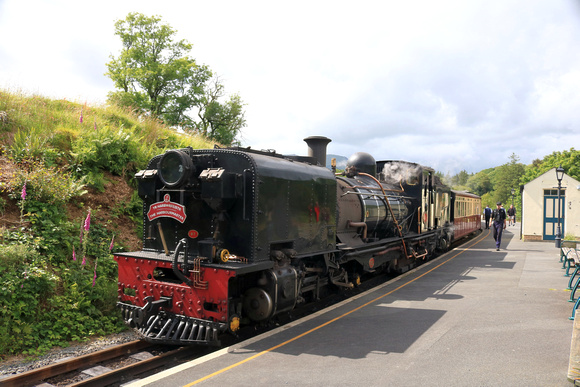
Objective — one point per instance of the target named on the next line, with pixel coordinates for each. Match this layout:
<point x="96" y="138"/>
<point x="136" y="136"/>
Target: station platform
<point x="472" y="317"/>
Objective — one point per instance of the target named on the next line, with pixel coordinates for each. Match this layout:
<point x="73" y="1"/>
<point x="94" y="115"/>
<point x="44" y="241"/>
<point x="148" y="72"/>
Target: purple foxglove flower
<point x="88" y="221"/>
<point x="74" y="254"/>
<point x="112" y="243"/>
<point x="81" y="118"/>
<point x="23" y="194"/>
<point x="95" y="124"/>
<point x="84" y="262"/>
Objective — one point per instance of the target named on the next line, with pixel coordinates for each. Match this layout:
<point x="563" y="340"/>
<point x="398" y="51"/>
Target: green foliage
<point x="480" y="183"/>
<point x="46" y="184"/>
<point x="154" y="76"/>
<point x="108" y="149"/>
<point x="220" y="122"/>
<point x="28" y="144"/>
<point x="494" y="184"/>
<point x="26" y="283"/>
<point x="46" y="298"/>
<point x="569" y="160"/>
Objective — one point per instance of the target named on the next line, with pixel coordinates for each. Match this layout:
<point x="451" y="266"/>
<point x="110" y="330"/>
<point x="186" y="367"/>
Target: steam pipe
<point x="357" y="225"/>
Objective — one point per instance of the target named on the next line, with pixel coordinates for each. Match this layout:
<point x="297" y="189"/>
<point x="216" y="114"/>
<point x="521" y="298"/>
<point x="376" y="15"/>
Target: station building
<point x="539" y="215"/>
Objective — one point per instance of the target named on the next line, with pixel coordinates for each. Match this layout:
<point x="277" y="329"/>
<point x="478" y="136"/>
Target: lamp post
<point x="513" y="192"/>
<point x="559" y="176"/>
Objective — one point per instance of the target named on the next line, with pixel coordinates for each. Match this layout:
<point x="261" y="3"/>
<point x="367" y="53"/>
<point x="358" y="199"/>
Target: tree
<point x="569" y="160"/>
<point x="480" y="183"/>
<point x="508" y="178"/>
<point x="218" y="120"/>
<point x="154" y="75"/>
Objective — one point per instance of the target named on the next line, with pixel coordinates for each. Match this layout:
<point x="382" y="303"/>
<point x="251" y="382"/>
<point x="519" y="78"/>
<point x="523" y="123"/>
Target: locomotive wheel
<point x="258" y="304"/>
<point x="444" y="244"/>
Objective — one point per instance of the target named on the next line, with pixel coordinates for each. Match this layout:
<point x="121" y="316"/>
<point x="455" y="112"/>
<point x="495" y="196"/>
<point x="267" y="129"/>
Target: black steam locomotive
<point x="236" y="236"/>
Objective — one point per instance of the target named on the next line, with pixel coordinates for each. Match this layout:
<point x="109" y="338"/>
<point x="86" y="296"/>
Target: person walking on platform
<point x="487" y="214"/>
<point x="512" y="214"/>
<point x="498" y="222"/>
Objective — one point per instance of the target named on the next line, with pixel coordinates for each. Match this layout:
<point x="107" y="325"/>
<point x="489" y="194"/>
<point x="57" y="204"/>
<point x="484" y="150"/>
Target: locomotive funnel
<point x="317" y="148"/>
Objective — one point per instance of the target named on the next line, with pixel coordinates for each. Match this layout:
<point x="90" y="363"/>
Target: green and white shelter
<point x="540" y="207"/>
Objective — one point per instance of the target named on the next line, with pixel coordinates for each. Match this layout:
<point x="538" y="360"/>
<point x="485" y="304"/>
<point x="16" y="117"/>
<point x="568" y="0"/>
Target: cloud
<point x="451" y="84"/>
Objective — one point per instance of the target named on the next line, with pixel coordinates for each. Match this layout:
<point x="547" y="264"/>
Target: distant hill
<point x="340" y="161"/>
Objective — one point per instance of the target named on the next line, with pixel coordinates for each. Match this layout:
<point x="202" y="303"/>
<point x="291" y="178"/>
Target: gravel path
<point x="19" y="364"/>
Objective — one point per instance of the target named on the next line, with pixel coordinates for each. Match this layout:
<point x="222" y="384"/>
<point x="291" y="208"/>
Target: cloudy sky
<point x="451" y="84"/>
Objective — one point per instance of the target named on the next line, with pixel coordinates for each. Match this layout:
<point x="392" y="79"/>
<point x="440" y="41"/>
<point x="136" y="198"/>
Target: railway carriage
<point x="466" y="213"/>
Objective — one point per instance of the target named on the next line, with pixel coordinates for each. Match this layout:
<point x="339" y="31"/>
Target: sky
<point x="451" y="84"/>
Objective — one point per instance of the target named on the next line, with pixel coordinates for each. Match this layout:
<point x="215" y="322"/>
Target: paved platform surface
<point x="472" y="317"/>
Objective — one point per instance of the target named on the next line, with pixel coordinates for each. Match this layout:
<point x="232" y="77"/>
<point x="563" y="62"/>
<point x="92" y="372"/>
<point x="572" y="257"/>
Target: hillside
<point x="67" y="198"/>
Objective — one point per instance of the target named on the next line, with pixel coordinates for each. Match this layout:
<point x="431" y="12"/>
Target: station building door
<point x="551" y="213"/>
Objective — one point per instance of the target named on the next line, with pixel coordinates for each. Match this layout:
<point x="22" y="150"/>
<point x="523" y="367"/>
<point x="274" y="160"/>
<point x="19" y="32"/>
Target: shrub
<point x="26" y="283"/>
<point x="109" y="149"/>
<point x="45" y="184"/>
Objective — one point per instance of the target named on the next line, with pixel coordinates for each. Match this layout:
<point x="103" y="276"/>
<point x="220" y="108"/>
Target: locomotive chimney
<point x="317" y="148"/>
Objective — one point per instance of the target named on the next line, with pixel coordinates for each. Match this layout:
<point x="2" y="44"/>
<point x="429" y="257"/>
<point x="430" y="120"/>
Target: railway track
<point x="108" y="367"/>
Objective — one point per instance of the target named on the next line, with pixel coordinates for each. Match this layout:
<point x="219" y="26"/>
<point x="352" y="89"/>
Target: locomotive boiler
<point x="237" y="236"/>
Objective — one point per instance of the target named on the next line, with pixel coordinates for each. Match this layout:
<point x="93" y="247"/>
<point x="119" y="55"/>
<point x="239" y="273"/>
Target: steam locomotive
<point x="235" y="236"/>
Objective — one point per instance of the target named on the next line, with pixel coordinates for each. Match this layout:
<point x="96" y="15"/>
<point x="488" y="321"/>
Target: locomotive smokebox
<point x="317" y="148"/>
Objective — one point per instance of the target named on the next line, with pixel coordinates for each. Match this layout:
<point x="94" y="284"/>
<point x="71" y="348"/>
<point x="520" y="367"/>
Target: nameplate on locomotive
<point x="167" y="209"/>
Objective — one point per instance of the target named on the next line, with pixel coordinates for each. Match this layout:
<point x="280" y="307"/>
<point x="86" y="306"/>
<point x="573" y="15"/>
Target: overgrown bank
<point x="66" y="200"/>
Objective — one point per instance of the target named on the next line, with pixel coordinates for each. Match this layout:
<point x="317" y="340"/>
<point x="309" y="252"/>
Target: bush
<point x="26" y="284"/>
<point x="107" y="149"/>
<point x="45" y="184"/>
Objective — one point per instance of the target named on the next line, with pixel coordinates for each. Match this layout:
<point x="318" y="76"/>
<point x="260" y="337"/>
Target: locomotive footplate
<point x="167" y="328"/>
<point x="239" y="268"/>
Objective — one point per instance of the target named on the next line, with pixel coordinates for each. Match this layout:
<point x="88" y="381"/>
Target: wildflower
<point x="112" y="243"/>
<point x="74" y="254"/>
<point x="95" y="124"/>
<point x="88" y="221"/>
<point x="81" y="118"/>
<point x="23" y="194"/>
<point x="84" y="262"/>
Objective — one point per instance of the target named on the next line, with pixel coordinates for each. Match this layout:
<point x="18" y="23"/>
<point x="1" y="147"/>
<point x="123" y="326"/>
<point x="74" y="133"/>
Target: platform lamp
<point x="513" y="192"/>
<point x="559" y="176"/>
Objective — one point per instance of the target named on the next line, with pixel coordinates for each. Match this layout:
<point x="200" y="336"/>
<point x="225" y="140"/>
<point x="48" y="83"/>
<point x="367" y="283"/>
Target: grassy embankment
<point x="66" y="198"/>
